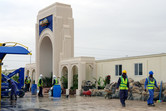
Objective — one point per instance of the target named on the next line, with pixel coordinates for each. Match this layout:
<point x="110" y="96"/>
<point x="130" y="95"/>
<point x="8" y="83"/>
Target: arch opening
<point x="46" y="57"/>
<point x="64" y="78"/>
<point x="74" y="77"/>
<point x="27" y="73"/>
<point x="33" y="76"/>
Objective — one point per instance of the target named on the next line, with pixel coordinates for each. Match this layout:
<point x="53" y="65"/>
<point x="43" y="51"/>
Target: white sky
<point x="103" y="29"/>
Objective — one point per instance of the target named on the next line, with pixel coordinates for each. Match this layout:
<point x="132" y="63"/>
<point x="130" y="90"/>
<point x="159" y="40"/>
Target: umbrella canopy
<point x="12" y="50"/>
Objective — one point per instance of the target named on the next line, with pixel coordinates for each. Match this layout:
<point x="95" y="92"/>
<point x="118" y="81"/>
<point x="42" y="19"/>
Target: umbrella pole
<point x="0" y="78"/>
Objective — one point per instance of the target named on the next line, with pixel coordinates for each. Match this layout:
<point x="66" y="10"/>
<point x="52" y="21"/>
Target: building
<point x="137" y="67"/>
<point x="55" y="53"/>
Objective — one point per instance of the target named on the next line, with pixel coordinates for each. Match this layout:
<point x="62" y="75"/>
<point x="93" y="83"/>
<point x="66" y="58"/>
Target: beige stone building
<point x="137" y="67"/>
<point x="55" y="53"/>
<point x="55" y="47"/>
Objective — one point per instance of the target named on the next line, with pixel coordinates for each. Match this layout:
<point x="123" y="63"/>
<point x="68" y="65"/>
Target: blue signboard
<point x="45" y="23"/>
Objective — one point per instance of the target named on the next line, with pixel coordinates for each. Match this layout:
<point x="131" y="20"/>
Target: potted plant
<point x="47" y="83"/>
<point x="75" y="85"/>
<point x="64" y="82"/>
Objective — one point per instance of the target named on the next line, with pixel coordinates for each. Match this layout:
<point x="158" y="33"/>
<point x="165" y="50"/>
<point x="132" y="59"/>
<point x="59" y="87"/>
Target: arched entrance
<point x="46" y="57"/>
<point x="64" y="78"/>
<point x="27" y="73"/>
<point x="74" y="77"/>
<point x="89" y="72"/>
<point x="33" y="75"/>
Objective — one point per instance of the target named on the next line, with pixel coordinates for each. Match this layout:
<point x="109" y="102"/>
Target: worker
<point x="150" y="83"/>
<point x="55" y="82"/>
<point x="40" y="85"/>
<point x="13" y="87"/>
<point x="123" y="83"/>
<point x="26" y="83"/>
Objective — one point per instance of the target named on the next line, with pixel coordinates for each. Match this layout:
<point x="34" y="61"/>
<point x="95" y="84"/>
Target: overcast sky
<point x="103" y="29"/>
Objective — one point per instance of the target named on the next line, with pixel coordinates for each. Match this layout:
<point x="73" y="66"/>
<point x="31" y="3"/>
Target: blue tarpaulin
<point x="12" y="50"/>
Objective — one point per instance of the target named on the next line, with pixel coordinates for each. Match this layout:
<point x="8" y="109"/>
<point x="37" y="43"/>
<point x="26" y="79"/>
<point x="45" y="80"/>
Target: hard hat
<point x="124" y="71"/>
<point x="151" y="72"/>
<point x="8" y="80"/>
<point x="54" y="76"/>
<point x="41" y="75"/>
<point x="26" y="76"/>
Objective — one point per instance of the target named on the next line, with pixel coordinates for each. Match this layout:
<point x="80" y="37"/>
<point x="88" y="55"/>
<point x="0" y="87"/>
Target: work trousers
<point x="28" y="86"/>
<point x="40" y="91"/>
<point x="123" y="94"/>
<point x="151" y="96"/>
<point x="13" y="93"/>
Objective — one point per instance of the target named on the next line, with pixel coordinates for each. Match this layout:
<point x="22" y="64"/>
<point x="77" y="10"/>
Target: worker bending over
<point x="55" y="82"/>
<point x="13" y="87"/>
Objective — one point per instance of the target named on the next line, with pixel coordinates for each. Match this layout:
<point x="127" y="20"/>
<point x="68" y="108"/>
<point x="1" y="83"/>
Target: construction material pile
<point x="136" y="91"/>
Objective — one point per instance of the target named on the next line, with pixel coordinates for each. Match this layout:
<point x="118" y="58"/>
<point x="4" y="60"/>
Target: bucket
<point x="34" y="89"/>
<point x="57" y="91"/>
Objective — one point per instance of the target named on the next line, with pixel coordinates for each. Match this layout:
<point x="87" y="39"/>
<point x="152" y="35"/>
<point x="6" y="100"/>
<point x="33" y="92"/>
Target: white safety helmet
<point x="41" y="75"/>
<point x="54" y="76"/>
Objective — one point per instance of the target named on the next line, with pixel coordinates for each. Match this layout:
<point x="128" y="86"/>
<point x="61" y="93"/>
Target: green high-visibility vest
<point x="151" y="84"/>
<point x="40" y="85"/>
<point x="26" y="81"/>
<point x="29" y="81"/>
<point x="56" y="81"/>
<point x="123" y="84"/>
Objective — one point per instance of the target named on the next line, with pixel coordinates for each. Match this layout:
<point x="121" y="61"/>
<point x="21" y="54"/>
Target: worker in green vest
<point x="123" y="84"/>
<point x="55" y="80"/>
<point x="26" y="84"/>
<point x="150" y="83"/>
<point x="40" y="85"/>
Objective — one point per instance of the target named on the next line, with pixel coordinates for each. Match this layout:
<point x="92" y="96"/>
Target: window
<point x="138" y="69"/>
<point x="118" y="70"/>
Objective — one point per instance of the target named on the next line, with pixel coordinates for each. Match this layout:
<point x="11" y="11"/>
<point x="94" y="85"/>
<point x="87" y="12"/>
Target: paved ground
<point x="75" y="103"/>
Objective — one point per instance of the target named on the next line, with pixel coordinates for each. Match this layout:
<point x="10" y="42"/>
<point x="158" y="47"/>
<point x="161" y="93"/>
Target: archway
<point x="33" y="76"/>
<point x="46" y="57"/>
<point x="64" y="78"/>
<point x="27" y="73"/>
<point x="74" y="77"/>
<point x="89" y="72"/>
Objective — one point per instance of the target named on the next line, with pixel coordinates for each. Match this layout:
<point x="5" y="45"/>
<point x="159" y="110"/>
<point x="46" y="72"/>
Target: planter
<point x="63" y="91"/>
<point x="72" y="91"/>
<point x="46" y="90"/>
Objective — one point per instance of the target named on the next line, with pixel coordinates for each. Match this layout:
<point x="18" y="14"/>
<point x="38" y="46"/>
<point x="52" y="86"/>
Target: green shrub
<point x="64" y="82"/>
<point x="75" y="81"/>
<point x="47" y="81"/>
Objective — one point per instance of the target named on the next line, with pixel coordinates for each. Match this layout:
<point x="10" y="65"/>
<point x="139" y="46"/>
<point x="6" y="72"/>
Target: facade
<point x="55" y="46"/>
<point x="54" y="38"/>
<point x="30" y="70"/>
<point x="137" y="67"/>
<point x="55" y="54"/>
<point x="85" y="67"/>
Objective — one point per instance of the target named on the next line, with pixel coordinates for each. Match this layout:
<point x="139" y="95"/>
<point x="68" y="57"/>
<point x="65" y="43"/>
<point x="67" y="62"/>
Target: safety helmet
<point x="26" y="76"/>
<point x="151" y="72"/>
<point x="124" y="71"/>
<point x="41" y="75"/>
<point x="54" y="76"/>
<point x="8" y="80"/>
